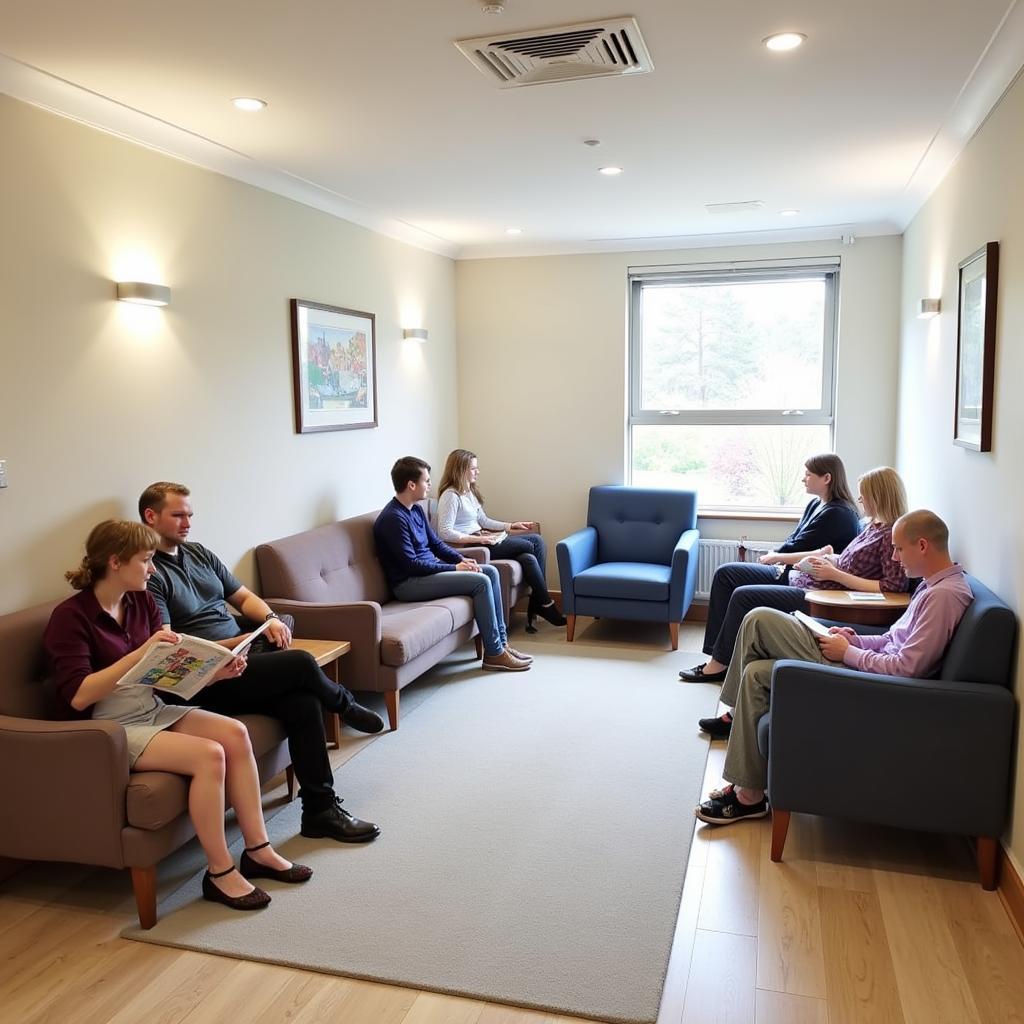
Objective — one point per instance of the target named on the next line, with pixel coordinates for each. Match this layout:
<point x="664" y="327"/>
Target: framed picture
<point x="976" y="349"/>
<point x="334" y="365"/>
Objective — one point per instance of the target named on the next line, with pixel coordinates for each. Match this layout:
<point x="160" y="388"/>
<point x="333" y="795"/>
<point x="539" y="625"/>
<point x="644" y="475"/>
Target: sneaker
<point x="698" y="675"/>
<point x="504" y="662"/>
<point x="717" y="728"/>
<point x="334" y="822"/>
<point x="723" y="807"/>
<point x="519" y="654"/>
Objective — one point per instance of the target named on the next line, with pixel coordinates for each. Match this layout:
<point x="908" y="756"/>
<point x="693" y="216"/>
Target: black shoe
<point x="250" y="868"/>
<point x="723" y="808"/>
<point x="717" y="728"/>
<point x="698" y="675"/>
<point x="257" y="899"/>
<point x="362" y="719"/>
<point x="335" y="822"/>
<point x="549" y="612"/>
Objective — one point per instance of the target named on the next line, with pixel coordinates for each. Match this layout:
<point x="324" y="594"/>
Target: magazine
<point x="812" y="624"/>
<point x="866" y="595"/>
<point x="186" y="667"/>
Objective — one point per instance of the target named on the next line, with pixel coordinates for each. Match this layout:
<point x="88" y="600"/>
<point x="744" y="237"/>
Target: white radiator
<point x="714" y="553"/>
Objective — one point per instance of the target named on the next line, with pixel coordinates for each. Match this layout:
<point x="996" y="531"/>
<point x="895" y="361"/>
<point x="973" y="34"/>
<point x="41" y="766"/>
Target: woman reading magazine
<point x="98" y="635"/>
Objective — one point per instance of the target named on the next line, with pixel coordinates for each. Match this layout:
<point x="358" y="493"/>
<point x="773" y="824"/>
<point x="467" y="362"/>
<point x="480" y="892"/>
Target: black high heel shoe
<point x="549" y="612"/>
<point x="255" y="900"/>
<point x="251" y="869"/>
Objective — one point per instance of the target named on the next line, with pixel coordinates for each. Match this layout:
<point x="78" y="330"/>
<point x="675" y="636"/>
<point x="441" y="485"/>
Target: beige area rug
<point x="536" y="829"/>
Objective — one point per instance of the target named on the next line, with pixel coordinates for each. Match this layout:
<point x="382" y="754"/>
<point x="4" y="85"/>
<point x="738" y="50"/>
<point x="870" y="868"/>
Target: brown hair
<point x="407" y="470"/>
<point x="456" y="474"/>
<point x="155" y="495"/>
<point x="113" y="538"/>
<point x="927" y="525"/>
<point x="883" y="490"/>
<point x="839" y="488"/>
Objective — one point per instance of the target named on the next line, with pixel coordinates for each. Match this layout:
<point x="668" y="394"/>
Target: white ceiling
<point x="374" y="115"/>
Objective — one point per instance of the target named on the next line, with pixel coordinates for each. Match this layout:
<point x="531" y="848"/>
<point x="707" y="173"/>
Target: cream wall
<point x="980" y="495"/>
<point x="543" y="371"/>
<point x="98" y="399"/>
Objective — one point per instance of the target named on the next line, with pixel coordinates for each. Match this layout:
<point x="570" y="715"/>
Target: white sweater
<point x="459" y="516"/>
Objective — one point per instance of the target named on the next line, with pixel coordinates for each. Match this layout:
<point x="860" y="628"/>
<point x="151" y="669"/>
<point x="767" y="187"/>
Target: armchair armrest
<point x="929" y="754"/>
<point x="683" y="574"/>
<point x="574" y="554"/>
<point x="356" y="621"/>
<point x="479" y="553"/>
<point x="66" y="794"/>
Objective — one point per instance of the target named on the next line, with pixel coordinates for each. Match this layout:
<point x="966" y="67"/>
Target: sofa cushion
<point x="409" y="628"/>
<point x="630" y="581"/>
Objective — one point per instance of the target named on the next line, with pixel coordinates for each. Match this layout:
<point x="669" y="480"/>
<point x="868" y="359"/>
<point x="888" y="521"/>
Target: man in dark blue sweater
<point x="419" y="566"/>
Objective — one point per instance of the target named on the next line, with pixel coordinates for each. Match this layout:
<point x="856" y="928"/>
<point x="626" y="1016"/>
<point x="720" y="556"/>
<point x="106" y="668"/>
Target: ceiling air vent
<point x="610" y="47"/>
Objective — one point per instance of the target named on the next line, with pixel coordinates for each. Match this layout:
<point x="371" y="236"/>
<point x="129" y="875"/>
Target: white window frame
<point x="776" y="270"/>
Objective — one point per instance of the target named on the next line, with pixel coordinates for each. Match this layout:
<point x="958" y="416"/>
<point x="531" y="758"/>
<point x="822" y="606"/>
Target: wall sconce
<point x="929" y="308"/>
<point x="416" y="333"/>
<point x="143" y="293"/>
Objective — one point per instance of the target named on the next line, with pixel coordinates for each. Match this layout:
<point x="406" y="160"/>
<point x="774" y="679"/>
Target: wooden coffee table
<point x="836" y="604"/>
<point x="327" y="654"/>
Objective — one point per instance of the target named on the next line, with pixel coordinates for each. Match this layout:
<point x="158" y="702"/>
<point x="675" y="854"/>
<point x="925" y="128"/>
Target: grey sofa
<point x="926" y="754"/>
<point x="69" y="794"/>
<point x="331" y="581"/>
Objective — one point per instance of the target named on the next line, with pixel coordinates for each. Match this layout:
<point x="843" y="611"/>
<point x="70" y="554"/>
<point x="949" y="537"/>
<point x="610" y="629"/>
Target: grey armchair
<point x="926" y="754"/>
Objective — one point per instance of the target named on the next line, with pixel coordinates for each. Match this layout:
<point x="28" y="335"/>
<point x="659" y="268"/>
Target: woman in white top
<point x="461" y="520"/>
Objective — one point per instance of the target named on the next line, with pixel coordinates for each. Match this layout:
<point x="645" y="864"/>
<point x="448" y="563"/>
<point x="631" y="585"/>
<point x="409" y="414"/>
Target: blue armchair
<point x="926" y="754"/>
<point x="636" y="558"/>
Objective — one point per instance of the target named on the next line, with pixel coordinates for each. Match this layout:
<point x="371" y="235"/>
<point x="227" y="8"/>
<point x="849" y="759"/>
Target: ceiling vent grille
<point x="610" y="47"/>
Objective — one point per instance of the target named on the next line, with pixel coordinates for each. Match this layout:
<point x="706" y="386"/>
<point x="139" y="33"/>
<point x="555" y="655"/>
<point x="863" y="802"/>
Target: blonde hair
<point x="456" y="474"/>
<point x="113" y="538"/>
<point x="921" y="523"/>
<point x="884" y="492"/>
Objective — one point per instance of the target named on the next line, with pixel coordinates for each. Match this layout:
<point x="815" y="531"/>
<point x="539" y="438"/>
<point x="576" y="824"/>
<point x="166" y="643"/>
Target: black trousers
<point x="737" y="588"/>
<point x="529" y="550"/>
<point x="291" y="687"/>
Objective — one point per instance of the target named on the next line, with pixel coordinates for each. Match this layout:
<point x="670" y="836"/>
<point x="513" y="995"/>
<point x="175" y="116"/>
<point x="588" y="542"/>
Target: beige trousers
<point x="766" y="636"/>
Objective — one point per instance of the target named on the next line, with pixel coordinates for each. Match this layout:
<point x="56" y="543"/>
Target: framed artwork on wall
<point x="976" y="348"/>
<point x="334" y="368"/>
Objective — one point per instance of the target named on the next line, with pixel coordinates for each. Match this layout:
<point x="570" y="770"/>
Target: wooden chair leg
<point x="988" y="861"/>
<point x="289" y="778"/>
<point x="144" y="887"/>
<point x="673" y="632"/>
<point x="332" y="727"/>
<point x="478" y="641"/>
<point x="780" y="826"/>
<point x="570" y="627"/>
<point x="391" y="700"/>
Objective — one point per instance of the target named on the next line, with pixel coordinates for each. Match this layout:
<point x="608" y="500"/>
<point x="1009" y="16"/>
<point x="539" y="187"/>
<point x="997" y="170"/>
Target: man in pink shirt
<point x="913" y="647"/>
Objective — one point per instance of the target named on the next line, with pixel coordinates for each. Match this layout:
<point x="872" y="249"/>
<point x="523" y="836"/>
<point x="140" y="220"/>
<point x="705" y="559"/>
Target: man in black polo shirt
<point x="192" y="588"/>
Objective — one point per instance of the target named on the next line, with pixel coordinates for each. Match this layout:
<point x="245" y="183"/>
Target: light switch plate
<point x="3" y="472"/>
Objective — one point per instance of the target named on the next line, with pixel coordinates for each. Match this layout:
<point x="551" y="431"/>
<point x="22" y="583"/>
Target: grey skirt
<point x="142" y="713"/>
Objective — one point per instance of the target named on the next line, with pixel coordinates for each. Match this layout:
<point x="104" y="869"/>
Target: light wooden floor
<point x="858" y="925"/>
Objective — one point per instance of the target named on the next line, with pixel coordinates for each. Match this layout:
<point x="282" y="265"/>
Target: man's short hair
<point x="155" y="495"/>
<point x="921" y="523"/>
<point x="407" y="470"/>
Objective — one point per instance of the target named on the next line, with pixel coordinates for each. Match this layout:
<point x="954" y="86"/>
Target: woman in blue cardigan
<point x="830" y="518"/>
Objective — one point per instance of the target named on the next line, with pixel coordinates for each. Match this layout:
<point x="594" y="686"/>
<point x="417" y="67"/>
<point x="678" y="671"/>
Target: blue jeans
<point x="483" y="587"/>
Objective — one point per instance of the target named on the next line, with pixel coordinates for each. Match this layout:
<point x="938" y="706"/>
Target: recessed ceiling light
<point x="784" y="40"/>
<point x="788" y="213"/>
<point x="249" y="103"/>
<point x="610" y="171"/>
<point x="513" y="231"/>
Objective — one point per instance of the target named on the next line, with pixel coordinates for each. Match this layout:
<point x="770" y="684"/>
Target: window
<point x="732" y="380"/>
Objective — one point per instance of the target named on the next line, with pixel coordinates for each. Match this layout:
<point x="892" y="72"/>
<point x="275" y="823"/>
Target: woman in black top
<point x="831" y="518"/>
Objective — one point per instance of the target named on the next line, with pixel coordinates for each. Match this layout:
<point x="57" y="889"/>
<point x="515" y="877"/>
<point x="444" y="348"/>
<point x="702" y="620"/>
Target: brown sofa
<point x="330" y="580"/>
<point x="69" y="794"/>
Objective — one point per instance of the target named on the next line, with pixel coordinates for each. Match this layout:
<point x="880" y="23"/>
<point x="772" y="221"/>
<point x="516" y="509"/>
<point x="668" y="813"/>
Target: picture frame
<point x="977" y="280"/>
<point x="334" y="367"/>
